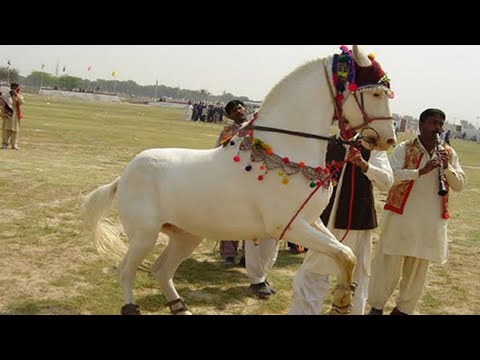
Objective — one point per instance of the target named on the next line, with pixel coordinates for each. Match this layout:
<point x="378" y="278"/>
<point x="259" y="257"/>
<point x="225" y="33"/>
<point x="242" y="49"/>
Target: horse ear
<point x="361" y="59"/>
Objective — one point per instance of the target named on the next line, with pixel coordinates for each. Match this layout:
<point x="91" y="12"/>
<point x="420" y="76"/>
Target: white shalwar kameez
<point x="311" y="282"/>
<point x="420" y="232"/>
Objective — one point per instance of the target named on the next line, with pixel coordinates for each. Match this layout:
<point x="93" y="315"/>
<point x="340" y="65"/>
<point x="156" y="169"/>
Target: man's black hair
<point x="232" y="104"/>
<point x="432" y="112"/>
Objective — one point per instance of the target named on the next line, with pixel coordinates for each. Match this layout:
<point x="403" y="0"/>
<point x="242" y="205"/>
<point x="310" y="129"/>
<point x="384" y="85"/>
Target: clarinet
<point x="442" y="188"/>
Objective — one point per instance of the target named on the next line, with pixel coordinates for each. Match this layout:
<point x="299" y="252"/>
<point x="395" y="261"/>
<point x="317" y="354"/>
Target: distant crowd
<point x="204" y="112"/>
<point x="208" y="113"/>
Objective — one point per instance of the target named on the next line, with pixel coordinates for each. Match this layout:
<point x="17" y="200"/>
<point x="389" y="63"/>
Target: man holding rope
<point x="259" y="257"/>
<point x="350" y="216"/>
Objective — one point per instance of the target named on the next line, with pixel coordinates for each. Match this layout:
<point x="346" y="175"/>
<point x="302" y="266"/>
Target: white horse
<point x="228" y="192"/>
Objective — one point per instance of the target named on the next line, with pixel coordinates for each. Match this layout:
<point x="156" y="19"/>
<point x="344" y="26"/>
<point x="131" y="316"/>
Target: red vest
<point x="398" y="195"/>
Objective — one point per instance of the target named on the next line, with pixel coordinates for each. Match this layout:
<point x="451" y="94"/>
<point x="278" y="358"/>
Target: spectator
<point x="188" y="111"/>
<point x="11" y="115"/>
<point x="261" y="257"/>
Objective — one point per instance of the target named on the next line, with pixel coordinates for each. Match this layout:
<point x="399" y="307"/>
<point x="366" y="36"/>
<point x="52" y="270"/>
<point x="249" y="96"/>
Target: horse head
<point x="362" y="98"/>
<point x="350" y="87"/>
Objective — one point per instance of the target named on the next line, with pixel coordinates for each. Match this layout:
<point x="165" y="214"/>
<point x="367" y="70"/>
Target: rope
<point x="350" y="210"/>
<point x="319" y="185"/>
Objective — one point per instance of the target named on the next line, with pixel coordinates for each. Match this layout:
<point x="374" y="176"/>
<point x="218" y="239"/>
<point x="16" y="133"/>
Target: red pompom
<point x="353" y="87"/>
<point x="236" y="158"/>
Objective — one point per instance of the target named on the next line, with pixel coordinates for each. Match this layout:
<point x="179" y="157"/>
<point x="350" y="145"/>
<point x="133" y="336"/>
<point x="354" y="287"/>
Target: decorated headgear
<point x="346" y="72"/>
<point x="371" y="75"/>
<point x="343" y="69"/>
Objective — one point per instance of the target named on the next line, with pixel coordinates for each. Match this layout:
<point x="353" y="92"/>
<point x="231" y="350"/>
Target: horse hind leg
<point x="180" y="246"/>
<point x="141" y="243"/>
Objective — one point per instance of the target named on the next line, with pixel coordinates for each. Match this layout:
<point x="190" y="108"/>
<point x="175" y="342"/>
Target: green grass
<point x="68" y="148"/>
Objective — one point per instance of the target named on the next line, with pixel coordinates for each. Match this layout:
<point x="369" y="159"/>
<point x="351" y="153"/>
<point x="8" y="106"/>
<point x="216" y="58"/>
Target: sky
<point x="423" y="76"/>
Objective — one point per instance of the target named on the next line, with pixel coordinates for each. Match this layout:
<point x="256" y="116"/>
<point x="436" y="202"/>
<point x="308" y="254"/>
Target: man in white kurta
<point x="188" y="111"/>
<point x="311" y="282"/>
<point x="11" y="123"/>
<point x="259" y="256"/>
<point x="414" y="224"/>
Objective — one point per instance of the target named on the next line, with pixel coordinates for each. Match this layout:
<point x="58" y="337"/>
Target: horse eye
<point x="377" y="95"/>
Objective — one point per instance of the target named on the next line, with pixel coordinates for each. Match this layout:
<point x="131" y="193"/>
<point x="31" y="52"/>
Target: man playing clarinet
<point x="414" y="224"/>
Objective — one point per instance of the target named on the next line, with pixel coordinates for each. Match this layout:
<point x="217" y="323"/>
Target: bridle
<point x="346" y="130"/>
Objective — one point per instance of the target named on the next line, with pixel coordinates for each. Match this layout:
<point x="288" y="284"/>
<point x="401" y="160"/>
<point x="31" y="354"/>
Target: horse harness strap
<point x="301" y="134"/>
<point x="337" y="106"/>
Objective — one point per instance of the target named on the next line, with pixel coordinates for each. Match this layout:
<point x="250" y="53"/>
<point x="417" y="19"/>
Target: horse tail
<point x="106" y="236"/>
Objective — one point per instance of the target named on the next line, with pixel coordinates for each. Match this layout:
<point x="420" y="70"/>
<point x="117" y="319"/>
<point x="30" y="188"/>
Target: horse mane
<point x="287" y="82"/>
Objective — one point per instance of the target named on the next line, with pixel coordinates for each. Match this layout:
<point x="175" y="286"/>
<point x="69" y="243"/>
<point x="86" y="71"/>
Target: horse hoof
<point x="186" y="312"/>
<point x="335" y="311"/>
<point x="130" y="309"/>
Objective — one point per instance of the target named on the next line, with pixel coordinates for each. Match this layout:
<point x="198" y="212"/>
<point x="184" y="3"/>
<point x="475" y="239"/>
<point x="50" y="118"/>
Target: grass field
<point x="68" y="148"/>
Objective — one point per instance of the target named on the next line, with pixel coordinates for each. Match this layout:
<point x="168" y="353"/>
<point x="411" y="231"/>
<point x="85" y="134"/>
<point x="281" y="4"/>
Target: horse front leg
<point x="319" y="239"/>
<point x="345" y="290"/>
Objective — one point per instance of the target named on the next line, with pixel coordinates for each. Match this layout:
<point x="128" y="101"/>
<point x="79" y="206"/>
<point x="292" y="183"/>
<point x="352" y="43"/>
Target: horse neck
<point x="301" y="102"/>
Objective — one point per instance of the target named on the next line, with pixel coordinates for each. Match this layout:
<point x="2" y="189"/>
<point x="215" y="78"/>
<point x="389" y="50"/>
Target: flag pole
<point x="114" y="75"/>
<point x="8" y="72"/>
<point x="41" y="79"/>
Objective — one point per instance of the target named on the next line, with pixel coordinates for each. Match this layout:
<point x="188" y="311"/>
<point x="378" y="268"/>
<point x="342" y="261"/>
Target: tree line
<point x="129" y="88"/>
